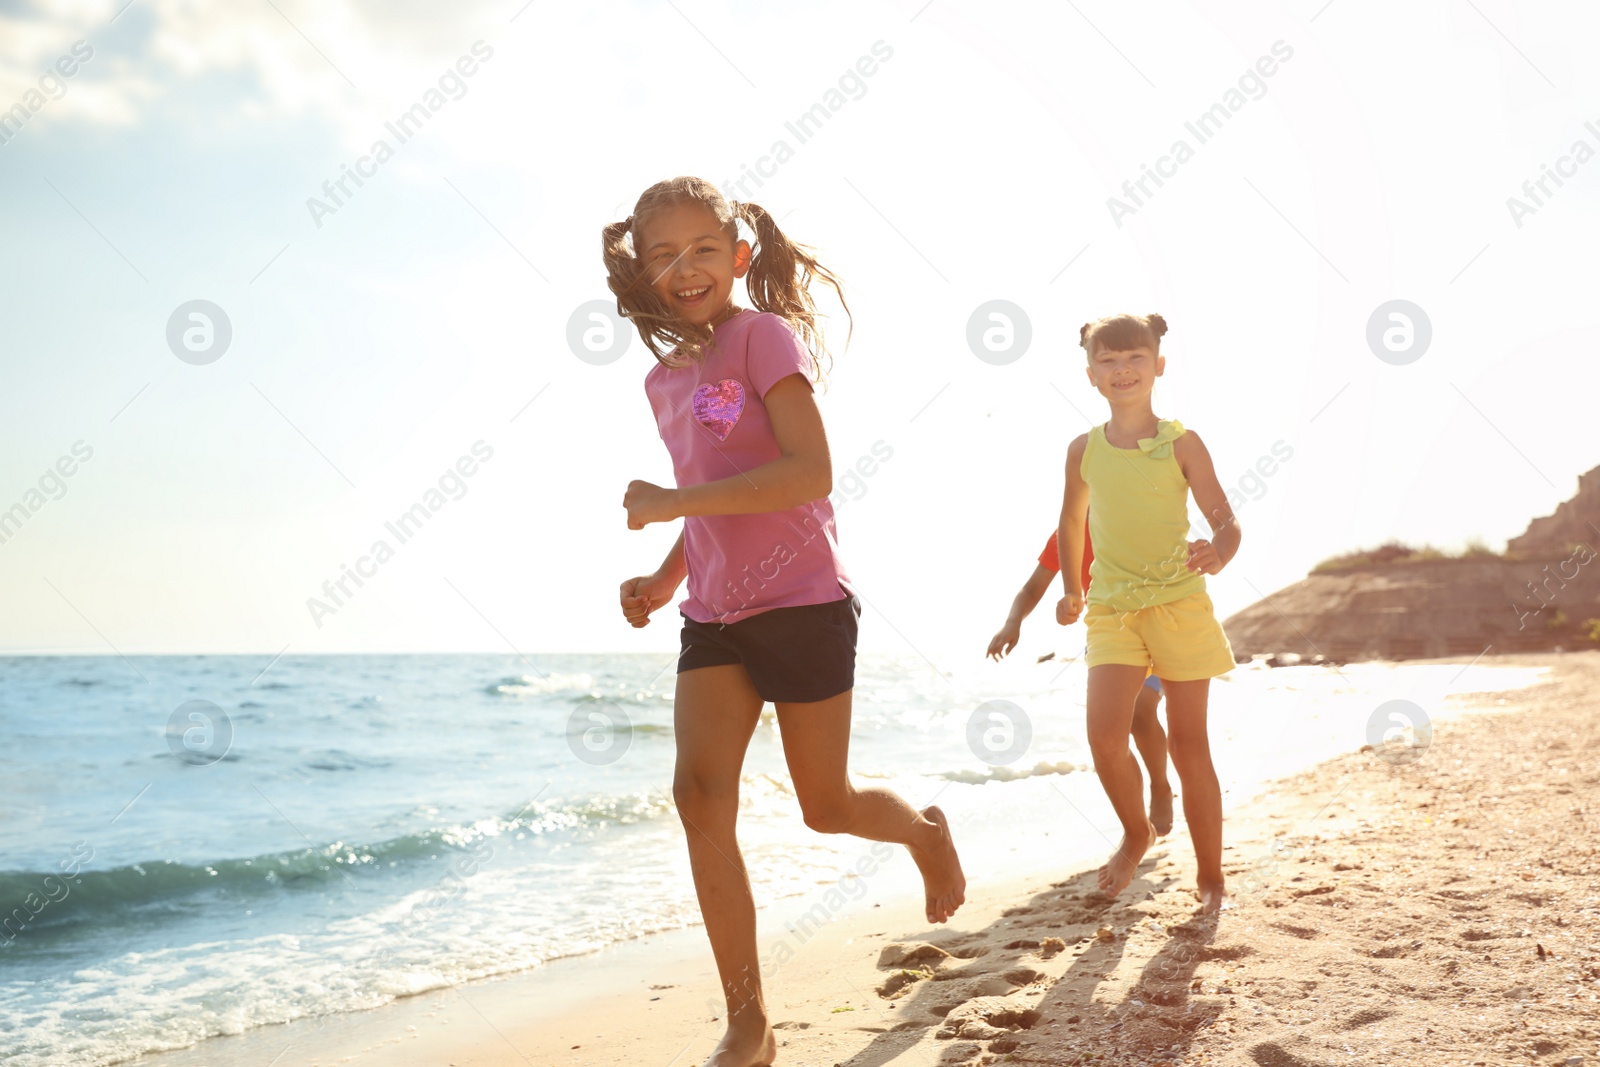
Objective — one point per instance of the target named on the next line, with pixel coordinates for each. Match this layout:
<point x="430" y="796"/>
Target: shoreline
<point x="656" y="998"/>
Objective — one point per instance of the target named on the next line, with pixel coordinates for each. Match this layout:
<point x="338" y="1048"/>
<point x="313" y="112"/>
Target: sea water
<point x="201" y="845"/>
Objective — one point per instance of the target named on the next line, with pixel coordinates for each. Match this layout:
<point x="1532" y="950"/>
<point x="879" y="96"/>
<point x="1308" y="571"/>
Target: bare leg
<point x="1202" y="795"/>
<point x="816" y="744"/>
<point x="715" y="711"/>
<point x="1152" y="745"/>
<point x="1112" y="688"/>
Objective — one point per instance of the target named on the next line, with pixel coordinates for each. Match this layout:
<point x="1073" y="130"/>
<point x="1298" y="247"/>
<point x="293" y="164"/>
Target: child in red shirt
<point x="1148" y="736"/>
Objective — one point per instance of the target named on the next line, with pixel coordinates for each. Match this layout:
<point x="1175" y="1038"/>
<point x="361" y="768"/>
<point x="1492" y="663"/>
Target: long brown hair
<point x="778" y="281"/>
<point x="1122" y="332"/>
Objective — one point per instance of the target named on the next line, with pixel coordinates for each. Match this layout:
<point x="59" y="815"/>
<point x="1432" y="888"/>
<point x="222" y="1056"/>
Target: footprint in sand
<point x="1304" y="933"/>
<point x="1365" y="1018"/>
<point x="1021" y="976"/>
<point x="988" y="1018"/>
<point x="1314" y="891"/>
<point x="900" y="982"/>
<point x="960" y="982"/>
<point x="966" y="948"/>
<point x="1389" y="952"/>
<point x="906" y="953"/>
<point x="1269" y="1054"/>
<point x="1226" y="952"/>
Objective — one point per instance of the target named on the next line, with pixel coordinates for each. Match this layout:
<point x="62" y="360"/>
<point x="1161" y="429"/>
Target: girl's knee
<point x="827" y="813"/>
<point x="1109" y="745"/>
<point x="1108" y="727"/>
<point x="1189" y="751"/>
<point x="699" y="802"/>
<point x="827" y="820"/>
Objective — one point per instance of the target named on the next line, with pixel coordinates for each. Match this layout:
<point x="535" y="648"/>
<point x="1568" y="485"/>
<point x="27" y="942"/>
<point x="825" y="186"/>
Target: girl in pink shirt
<point x="770" y="613"/>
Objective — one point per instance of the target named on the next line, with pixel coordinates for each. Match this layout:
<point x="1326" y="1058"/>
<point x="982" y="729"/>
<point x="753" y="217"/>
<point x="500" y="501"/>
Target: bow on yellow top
<point x="1160" y="446"/>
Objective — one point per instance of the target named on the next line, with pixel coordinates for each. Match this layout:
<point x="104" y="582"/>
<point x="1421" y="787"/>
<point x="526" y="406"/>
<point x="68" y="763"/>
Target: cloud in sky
<point x="278" y="58"/>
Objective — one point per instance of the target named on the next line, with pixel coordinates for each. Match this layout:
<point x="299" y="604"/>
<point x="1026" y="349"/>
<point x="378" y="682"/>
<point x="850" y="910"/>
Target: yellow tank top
<point x="1138" y="521"/>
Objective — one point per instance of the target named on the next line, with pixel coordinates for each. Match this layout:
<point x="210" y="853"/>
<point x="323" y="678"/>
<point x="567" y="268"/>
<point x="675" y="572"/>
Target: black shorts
<point x="793" y="655"/>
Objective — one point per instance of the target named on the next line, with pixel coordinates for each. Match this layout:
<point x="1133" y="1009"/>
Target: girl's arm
<point x="673" y="568"/>
<point x="1022" y="605"/>
<point x="643" y="595"/>
<point x="801" y="474"/>
<point x="1195" y="462"/>
<point x="1074" y="509"/>
<point x="1029" y="595"/>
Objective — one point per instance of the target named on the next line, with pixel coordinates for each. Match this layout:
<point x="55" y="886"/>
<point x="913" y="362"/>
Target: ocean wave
<point x="526" y="685"/>
<point x="337" y="759"/>
<point x="579" y="689"/>
<point x="1011" y="774"/>
<point x="36" y="900"/>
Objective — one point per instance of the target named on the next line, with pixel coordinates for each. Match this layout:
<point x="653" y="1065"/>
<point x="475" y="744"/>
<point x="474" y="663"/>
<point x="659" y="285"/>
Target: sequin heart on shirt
<point x="718" y="407"/>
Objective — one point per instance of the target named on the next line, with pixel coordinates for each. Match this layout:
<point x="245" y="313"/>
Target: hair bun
<point x="1158" y="325"/>
<point x="1083" y="334"/>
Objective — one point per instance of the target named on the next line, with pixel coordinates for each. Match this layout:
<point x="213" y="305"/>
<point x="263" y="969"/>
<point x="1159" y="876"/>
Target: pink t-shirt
<point x="714" y="423"/>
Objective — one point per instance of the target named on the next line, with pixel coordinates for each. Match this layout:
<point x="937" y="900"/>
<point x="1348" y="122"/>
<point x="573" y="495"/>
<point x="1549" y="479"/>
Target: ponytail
<point x="780" y="280"/>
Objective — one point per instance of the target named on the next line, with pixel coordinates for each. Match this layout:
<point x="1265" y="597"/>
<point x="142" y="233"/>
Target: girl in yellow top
<point x="1147" y="602"/>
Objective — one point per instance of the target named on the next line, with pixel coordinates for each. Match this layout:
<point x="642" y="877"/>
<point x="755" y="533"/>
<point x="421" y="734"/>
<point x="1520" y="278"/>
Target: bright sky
<point x="376" y="340"/>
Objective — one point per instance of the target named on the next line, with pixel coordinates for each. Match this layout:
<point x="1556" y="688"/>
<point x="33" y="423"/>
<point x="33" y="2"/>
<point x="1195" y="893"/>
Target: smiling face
<point x="1126" y="375"/>
<point x="690" y="261"/>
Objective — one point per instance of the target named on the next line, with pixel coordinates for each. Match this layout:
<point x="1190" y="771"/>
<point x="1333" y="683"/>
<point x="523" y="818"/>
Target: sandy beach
<point x="1440" y="910"/>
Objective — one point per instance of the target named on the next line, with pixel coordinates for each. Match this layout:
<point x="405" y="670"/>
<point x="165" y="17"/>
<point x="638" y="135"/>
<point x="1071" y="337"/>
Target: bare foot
<point x="946" y="886"/>
<point x="1161" y="809"/>
<point x="1124" y="862"/>
<point x="1214" y="898"/>
<point x="745" y="1043"/>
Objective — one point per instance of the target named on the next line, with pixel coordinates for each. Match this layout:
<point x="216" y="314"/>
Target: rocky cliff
<point x="1448" y="607"/>
<point x="1539" y="597"/>
<point x="1575" y="522"/>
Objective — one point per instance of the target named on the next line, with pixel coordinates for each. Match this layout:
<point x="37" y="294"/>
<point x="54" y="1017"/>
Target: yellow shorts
<point x="1180" y="641"/>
